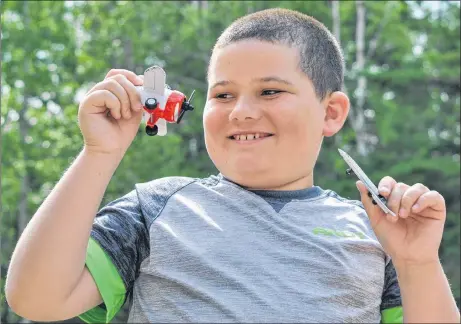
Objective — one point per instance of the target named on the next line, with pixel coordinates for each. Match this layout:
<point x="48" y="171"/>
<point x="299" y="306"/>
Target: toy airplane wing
<point x="367" y="182"/>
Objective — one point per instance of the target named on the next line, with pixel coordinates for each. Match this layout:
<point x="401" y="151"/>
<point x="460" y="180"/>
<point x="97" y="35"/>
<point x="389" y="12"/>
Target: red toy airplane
<point x="161" y="104"/>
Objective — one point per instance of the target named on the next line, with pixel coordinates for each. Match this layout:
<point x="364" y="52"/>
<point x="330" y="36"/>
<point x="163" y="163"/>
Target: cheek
<point x="289" y="119"/>
<point x="214" y="122"/>
<point x="211" y="119"/>
<point x="301" y="127"/>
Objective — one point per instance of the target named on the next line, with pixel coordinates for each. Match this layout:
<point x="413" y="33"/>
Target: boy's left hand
<point x="413" y="236"/>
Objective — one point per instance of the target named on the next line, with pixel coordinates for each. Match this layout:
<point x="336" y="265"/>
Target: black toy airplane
<point x="373" y="192"/>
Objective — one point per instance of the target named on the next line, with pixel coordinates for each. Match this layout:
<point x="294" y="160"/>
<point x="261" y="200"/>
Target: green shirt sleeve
<point x="109" y="283"/>
<point x="392" y="315"/>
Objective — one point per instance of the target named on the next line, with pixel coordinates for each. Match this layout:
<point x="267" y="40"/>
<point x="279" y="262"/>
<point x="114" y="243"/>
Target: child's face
<point x="258" y="88"/>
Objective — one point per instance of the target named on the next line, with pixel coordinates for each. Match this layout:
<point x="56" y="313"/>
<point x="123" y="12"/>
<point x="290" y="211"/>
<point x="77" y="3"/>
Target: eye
<point x="223" y="96"/>
<point x="270" y="92"/>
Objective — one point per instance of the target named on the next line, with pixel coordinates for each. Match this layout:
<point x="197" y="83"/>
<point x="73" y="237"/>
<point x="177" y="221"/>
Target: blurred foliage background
<point x="403" y="78"/>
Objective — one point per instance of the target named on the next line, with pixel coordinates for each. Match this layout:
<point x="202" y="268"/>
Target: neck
<point x="296" y="184"/>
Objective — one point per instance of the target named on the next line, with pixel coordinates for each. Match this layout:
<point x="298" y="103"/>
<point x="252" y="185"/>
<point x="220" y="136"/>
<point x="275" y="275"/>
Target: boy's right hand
<point x="110" y="113"/>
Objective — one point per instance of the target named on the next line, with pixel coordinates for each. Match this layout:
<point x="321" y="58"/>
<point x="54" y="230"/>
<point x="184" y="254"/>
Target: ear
<point x="336" y="111"/>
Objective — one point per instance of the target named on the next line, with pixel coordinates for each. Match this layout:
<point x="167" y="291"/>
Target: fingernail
<point x="384" y="190"/>
<point x="415" y="207"/>
<point x="402" y="212"/>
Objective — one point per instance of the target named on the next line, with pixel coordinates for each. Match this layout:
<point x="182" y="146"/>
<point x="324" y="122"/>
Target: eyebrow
<point x="272" y="79"/>
<point x="220" y="83"/>
<point x="260" y="80"/>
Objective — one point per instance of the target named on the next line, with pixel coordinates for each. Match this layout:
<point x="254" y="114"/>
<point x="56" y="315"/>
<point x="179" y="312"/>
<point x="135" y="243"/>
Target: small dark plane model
<point x="373" y="192"/>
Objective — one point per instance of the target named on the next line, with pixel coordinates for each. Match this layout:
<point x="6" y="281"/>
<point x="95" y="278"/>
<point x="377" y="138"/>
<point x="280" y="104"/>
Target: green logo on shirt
<point x="332" y="232"/>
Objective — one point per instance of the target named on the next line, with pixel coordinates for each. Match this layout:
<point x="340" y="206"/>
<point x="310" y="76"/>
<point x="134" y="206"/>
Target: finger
<point x="386" y="185"/>
<point x="431" y="199"/>
<point x="134" y="96"/>
<point x="117" y="89"/>
<point x="410" y="196"/>
<point x="395" y="198"/>
<point x="105" y="98"/>
<point x="426" y="213"/>
<point x="374" y="212"/>
<point x="128" y="74"/>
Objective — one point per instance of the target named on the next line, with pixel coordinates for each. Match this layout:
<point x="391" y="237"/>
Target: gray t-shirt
<point x="209" y="250"/>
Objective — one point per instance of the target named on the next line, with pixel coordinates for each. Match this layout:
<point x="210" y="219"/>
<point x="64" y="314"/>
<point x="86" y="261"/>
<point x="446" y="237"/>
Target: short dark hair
<point x="321" y="58"/>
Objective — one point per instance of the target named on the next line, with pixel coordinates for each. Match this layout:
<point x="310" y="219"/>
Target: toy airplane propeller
<point x="373" y="192"/>
<point x="161" y="104"/>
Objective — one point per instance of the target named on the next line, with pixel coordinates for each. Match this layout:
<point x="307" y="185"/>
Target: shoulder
<point x="351" y="210"/>
<point x="163" y="186"/>
<point x="167" y="186"/>
<point x="352" y="203"/>
<point x="155" y="194"/>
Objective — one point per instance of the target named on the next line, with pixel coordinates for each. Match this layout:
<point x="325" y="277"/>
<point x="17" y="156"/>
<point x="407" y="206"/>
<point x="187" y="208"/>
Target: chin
<point x="249" y="165"/>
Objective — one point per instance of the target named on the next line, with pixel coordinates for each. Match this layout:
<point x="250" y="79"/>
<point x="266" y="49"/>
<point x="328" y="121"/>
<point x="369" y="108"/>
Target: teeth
<point x="247" y="137"/>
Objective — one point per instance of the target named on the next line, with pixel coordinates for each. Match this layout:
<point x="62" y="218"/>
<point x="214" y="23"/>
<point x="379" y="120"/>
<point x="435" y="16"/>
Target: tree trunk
<point x="358" y="120"/>
<point x="356" y="114"/>
<point x="336" y="15"/>
<point x="373" y="44"/>
<point x="204" y="4"/>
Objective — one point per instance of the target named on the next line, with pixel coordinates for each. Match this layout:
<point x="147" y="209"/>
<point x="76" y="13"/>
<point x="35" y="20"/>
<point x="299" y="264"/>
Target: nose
<point x="244" y="110"/>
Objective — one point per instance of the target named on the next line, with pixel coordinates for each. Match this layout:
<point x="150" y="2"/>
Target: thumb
<point x="374" y="212"/>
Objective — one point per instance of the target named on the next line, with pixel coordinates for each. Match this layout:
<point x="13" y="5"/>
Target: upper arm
<point x="84" y="297"/>
<point x="120" y="242"/>
<point x="117" y="246"/>
<point x="391" y="304"/>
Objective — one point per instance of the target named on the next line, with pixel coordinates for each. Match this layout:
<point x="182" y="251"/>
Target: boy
<point x="257" y="243"/>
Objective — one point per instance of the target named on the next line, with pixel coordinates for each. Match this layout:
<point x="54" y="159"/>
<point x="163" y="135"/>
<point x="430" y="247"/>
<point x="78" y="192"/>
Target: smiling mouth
<point x="249" y="137"/>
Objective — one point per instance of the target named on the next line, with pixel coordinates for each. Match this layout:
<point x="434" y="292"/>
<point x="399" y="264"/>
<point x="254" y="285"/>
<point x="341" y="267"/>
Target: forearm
<point x="426" y="294"/>
<point x="50" y="255"/>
